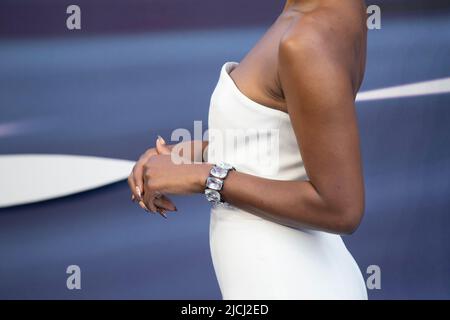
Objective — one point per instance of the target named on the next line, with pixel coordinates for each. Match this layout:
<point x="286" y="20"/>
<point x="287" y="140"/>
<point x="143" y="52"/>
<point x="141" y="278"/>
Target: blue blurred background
<point x="141" y="68"/>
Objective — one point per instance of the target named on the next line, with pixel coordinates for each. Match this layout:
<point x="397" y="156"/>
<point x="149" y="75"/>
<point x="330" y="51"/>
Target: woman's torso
<point x="255" y="258"/>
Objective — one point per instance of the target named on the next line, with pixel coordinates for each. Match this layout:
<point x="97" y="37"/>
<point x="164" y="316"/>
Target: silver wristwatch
<point x="214" y="182"/>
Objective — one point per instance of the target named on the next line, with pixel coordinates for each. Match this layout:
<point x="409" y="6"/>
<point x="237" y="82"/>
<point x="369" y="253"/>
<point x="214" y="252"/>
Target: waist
<point x="234" y="222"/>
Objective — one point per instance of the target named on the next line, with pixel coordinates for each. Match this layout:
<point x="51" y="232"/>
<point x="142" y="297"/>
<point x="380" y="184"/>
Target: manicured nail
<point x="161" y="139"/>
<point x="139" y="192"/>
<point x="132" y="197"/>
<point x="143" y="206"/>
<point x="163" y="213"/>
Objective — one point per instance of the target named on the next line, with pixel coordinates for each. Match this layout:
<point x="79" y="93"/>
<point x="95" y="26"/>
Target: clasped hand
<point x="155" y="175"/>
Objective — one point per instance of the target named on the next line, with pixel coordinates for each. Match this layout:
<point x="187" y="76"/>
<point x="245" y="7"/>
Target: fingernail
<point x="176" y="209"/>
<point x="143" y="206"/>
<point x="161" y="139"/>
<point x="132" y="197"/>
<point x="163" y="214"/>
<point x="138" y="192"/>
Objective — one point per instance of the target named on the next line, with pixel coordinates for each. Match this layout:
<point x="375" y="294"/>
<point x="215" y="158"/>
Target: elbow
<point x="348" y="220"/>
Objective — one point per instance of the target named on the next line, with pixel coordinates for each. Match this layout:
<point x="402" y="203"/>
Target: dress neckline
<point x="225" y="73"/>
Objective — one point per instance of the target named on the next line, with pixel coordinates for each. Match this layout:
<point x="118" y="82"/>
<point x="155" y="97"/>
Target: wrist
<point x="215" y="181"/>
<point x="202" y="174"/>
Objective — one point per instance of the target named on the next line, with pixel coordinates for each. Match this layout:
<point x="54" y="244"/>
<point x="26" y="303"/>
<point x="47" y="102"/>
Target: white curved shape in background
<point x="27" y="178"/>
<point x="438" y="86"/>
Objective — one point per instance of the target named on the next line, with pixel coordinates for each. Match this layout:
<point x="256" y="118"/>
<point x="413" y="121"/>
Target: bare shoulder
<point x="326" y="46"/>
<point x="324" y="34"/>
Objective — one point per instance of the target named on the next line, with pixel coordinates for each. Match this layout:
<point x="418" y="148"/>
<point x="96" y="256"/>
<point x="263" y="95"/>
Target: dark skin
<point x="309" y="64"/>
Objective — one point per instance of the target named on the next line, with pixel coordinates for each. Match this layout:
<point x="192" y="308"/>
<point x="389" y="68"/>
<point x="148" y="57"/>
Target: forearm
<point x="292" y="203"/>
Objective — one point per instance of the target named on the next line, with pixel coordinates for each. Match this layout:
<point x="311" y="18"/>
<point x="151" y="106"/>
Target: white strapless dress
<point x="255" y="258"/>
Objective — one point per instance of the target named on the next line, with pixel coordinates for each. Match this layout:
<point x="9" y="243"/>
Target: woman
<point x="275" y="229"/>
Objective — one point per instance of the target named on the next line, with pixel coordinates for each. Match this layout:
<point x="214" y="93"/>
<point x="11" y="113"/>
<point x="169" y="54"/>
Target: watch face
<point x="214" y="183"/>
<point x="212" y="195"/>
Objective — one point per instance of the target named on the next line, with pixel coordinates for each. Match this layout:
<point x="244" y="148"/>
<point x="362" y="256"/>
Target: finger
<point x="147" y="196"/>
<point x="161" y="146"/>
<point x="136" y="190"/>
<point x="132" y="186"/>
<point x="134" y="199"/>
<point x="138" y="179"/>
<point x="151" y="206"/>
<point x="143" y="206"/>
<point x="165" y="203"/>
<point x="138" y="172"/>
<point x="148" y="201"/>
<point x="138" y="193"/>
<point x="162" y="212"/>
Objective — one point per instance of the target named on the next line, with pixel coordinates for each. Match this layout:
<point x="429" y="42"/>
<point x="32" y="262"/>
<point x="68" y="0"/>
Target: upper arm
<point x="318" y="90"/>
